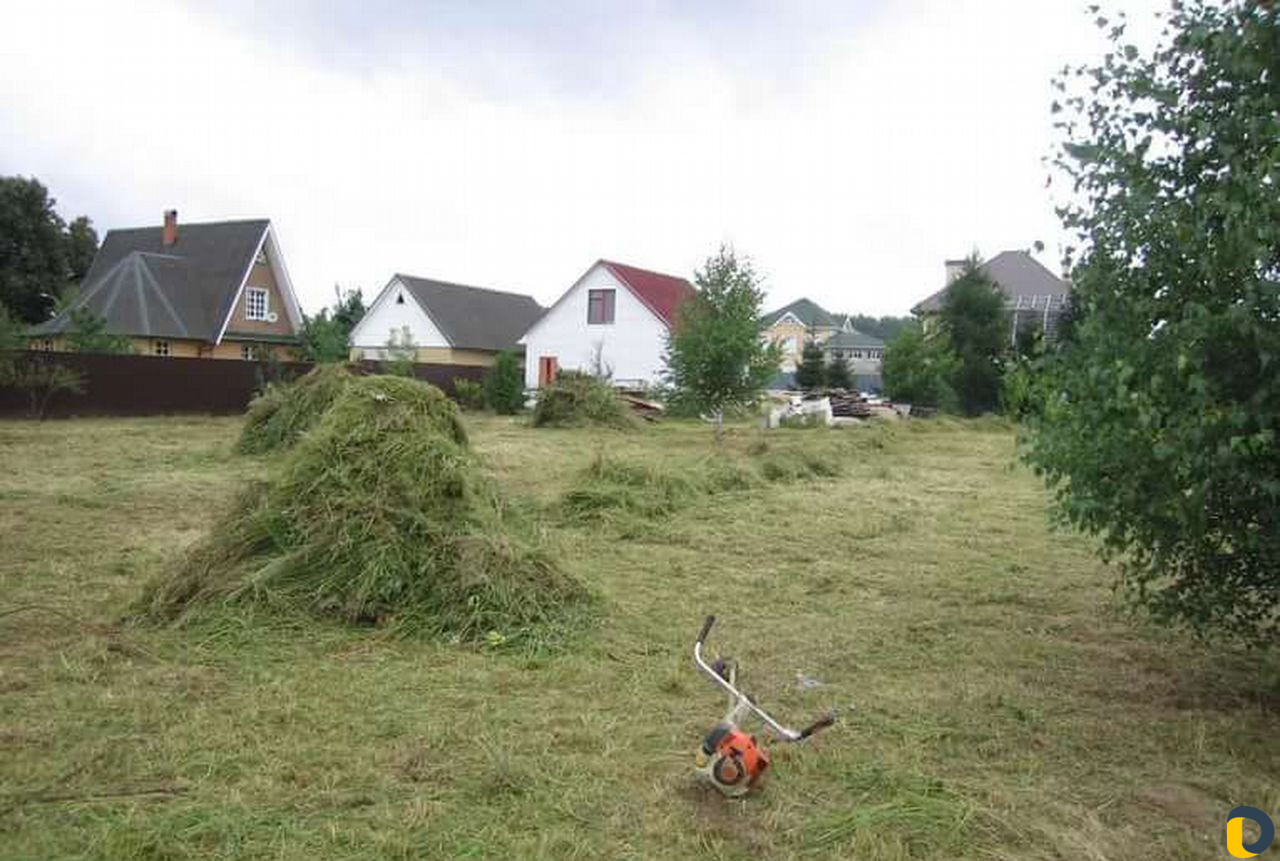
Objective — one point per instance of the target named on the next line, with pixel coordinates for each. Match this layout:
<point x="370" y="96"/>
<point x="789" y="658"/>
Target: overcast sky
<point x="847" y="147"/>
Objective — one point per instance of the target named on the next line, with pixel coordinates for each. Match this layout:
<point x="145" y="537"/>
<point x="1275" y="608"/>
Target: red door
<point x="548" y="367"/>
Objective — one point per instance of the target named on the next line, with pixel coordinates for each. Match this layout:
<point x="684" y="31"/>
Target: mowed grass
<point x="993" y="702"/>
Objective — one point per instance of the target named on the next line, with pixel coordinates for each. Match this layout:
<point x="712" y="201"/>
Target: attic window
<point x="261" y="258"/>
<point x="160" y="348"/>
<point x="255" y="303"/>
<point x="600" y="305"/>
<point x="399" y="298"/>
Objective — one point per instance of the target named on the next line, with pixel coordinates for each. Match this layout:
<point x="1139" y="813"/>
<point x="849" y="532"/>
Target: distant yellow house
<point x="792" y="326"/>
<point x="216" y="290"/>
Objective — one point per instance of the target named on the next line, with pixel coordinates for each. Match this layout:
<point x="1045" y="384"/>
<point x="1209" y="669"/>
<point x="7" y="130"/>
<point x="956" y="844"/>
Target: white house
<point x="443" y="323"/>
<point x="615" y="316"/>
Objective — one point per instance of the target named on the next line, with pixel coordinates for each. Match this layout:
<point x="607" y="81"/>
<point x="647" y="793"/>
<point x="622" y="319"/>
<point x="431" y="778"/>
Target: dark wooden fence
<point x="154" y="385"/>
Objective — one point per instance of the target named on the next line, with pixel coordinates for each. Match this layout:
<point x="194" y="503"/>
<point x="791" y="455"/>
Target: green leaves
<point x="715" y="358"/>
<point x="88" y="334"/>
<point x="504" y="386"/>
<point x="1157" y="427"/>
<point x="324" y="336"/>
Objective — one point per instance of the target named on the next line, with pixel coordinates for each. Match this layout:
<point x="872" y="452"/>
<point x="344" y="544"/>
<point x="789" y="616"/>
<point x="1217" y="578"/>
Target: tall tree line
<point x="42" y="256"/>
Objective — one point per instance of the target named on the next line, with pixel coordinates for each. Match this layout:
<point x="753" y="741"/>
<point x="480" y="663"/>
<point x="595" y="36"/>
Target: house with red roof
<point x="614" y="319"/>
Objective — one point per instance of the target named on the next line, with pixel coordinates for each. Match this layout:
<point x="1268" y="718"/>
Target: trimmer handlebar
<point x="784" y="733"/>
<point x="706" y="629"/>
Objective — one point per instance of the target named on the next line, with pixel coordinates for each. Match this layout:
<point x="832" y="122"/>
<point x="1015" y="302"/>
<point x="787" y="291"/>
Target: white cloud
<point x="848" y="177"/>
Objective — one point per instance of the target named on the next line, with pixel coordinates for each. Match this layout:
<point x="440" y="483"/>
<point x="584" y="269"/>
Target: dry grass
<point x="993" y="703"/>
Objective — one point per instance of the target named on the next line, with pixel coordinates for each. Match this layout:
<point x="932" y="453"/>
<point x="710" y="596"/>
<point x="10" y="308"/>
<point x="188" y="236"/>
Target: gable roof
<point x="142" y="287"/>
<point x="1015" y="273"/>
<point x="810" y="314"/>
<point x="474" y="318"/>
<point x="851" y="339"/>
<point x="662" y="293"/>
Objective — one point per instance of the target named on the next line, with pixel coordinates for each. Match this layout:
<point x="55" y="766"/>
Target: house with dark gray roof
<point x="1034" y="296"/>
<point x="210" y="290"/>
<point x="438" y="322"/>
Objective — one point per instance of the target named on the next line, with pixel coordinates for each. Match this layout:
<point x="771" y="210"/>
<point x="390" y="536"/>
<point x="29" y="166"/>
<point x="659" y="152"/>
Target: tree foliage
<point x="811" y="373"/>
<point x="504" y="386"/>
<point x="82" y="247"/>
<point x="88" y="334"/>
<point x="325" y="335"/>
<point x="401" y="353"/>
<point x="39" y="375"/>
<point x="974" y="323"/>
<point x="1159" y="418"/>
<point x="919" y="371"/>
<point x="838" y="375"/>
<point x="716" y="360"/>
<point x="40" y="257"/>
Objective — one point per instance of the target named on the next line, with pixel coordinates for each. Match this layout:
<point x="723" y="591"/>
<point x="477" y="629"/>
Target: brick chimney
<point x="955" y="268"/>
<point x="170" y="227"/>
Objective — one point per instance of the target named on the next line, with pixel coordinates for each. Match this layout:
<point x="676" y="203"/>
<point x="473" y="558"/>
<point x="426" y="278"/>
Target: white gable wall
<point x="387" y="315"/>
<point x="632" y="345"/>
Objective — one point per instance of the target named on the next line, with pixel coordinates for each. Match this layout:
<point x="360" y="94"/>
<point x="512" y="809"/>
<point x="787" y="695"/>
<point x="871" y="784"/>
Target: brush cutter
<point x="729" y="758"/>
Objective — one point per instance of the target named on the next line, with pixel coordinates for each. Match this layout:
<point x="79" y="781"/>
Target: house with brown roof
<point x="1034" y="296"/>
<point x="217" y="290"/>
<point x="615" y="318"/>
<point x="439" y="322"/>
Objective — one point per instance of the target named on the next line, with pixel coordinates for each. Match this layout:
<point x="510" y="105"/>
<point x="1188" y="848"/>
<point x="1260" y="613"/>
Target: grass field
<point x="993" y="703"/>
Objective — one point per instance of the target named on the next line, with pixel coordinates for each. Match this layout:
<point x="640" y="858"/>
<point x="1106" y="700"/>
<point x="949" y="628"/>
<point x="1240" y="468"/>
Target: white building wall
<point x="632" y="345"/>
<point x="386" y="315"/>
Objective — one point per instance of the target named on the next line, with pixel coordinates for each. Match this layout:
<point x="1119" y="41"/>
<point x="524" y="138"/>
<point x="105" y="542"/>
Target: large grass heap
<point x="577" y="400"/>
<point x="285" y="411"/>
<point x="380" y="514"/>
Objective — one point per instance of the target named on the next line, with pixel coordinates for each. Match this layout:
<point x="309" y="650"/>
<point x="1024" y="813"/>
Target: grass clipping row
<point x="380" y="515"/>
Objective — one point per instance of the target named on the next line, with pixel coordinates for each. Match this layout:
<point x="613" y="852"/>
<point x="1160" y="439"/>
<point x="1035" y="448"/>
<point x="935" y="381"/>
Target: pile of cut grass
<point x="380" y="515"/>
<point x="798" y="465"/>
<point x="634" y="487"/>
<point x="580" y="400"/>
<point x="649" y="490"/>
<point x="279" y="417"/>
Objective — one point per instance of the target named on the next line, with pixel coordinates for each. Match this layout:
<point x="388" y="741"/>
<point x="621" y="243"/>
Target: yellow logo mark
<point x="1235" y="832"/>
<point x="1235" y="839"/>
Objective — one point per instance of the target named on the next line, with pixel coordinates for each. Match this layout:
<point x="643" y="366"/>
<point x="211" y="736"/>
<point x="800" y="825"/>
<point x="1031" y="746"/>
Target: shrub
<point x="504" y="387"/>
<point x="576" y="399"/>
<point x="279" y="417"/>
<point x="381" y="515"/>
<point x="470" y="393"/>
